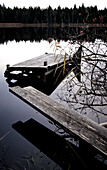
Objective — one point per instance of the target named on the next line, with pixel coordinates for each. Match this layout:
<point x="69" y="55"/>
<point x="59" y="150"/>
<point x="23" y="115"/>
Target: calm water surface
<point x="12" y="109"/>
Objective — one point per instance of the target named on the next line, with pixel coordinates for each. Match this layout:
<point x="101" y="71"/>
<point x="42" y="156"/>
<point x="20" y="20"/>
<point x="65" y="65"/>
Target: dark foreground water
<point x="15" y="151"/>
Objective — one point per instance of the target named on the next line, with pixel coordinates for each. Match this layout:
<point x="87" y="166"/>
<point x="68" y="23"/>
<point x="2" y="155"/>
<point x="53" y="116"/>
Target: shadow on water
<point x="47" y="141"/>
<point x="64" y="153"/>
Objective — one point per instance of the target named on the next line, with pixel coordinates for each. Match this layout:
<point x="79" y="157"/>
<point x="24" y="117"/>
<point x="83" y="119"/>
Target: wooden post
<point x="8" y="65"/>
<point x="45" y="63"/>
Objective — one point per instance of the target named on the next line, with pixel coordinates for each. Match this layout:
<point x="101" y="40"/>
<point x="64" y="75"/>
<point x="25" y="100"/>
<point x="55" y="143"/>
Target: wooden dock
<point x="44" y="62"/>
<point x="86" y="129"/>
<point x="42" y="70"/>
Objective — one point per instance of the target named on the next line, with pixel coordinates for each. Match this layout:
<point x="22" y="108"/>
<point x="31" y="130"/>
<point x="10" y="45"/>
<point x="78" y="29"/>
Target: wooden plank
<point x="80" y="125"/>
<point x="39" y="61"/>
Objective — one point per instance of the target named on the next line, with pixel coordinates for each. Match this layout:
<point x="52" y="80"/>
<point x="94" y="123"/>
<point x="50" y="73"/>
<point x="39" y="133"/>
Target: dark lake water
<point x="15" y="150"/>
<point x="13" y="109"/>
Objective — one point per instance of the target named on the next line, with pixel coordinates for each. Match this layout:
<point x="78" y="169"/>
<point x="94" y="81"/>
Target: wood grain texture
<point x="80" y="125"/>
<point x="39" y="61"/>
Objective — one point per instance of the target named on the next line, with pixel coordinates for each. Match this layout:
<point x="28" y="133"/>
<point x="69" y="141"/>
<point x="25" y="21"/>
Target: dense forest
<point x="49" y="15"/>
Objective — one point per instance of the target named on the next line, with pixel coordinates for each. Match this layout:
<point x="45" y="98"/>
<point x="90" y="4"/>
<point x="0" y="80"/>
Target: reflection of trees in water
<point x="59" y="33"/>
<point x="89" y="95"/>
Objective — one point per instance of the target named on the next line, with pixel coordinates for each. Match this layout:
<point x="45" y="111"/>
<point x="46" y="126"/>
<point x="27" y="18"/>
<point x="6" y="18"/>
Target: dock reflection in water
<point x="58" y="148"/>
<point x="48" y="142"/>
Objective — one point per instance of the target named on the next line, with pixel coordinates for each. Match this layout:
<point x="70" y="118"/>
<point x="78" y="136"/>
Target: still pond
<point x="15" y="151"/>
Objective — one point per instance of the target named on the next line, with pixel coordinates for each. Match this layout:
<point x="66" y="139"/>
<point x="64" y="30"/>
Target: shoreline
<point x="21" y="25"/>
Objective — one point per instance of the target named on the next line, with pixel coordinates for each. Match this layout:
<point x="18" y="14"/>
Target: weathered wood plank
<point x="80" y="125"/>
<point x="41" y="61"/>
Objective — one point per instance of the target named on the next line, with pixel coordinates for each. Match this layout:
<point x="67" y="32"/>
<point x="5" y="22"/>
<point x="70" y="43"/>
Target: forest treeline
<point x="60" y="15"/>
